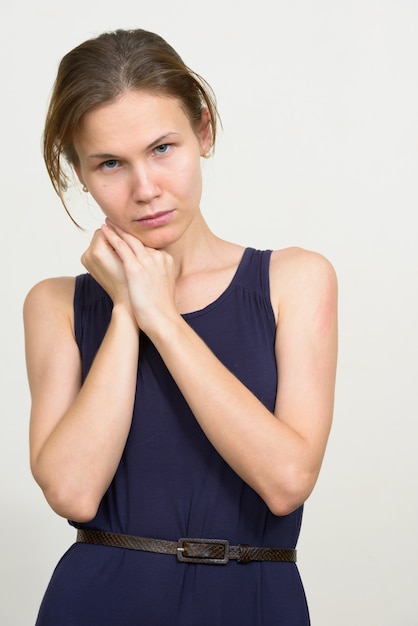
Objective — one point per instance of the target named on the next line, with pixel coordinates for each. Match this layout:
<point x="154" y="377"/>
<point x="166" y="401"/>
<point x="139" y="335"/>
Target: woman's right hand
<point x="102" y="262"/>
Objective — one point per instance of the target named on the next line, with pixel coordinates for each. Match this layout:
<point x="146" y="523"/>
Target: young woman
<point x="182" y="389"/>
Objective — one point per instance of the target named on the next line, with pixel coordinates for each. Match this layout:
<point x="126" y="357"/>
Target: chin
<point x="158" y="240"/>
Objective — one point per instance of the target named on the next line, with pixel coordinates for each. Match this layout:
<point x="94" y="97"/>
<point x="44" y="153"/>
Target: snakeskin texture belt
<point x="188" y="550"/>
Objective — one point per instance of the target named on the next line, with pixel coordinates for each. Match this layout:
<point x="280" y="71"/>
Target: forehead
<point x="136" y="114"/>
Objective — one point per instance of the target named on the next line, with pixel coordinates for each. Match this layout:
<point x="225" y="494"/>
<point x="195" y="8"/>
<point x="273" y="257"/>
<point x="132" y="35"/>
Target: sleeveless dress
<point x="172" y="483"/>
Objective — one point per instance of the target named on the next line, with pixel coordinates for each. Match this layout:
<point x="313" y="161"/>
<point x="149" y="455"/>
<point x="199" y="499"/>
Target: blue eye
<point x="163" y="148"/>
<point x="111" y="164"/>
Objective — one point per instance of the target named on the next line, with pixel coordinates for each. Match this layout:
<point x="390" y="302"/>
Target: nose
<point x="144" y="185"/>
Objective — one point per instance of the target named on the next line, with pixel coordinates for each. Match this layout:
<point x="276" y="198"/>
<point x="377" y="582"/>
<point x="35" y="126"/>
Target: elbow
<point x="68" y="500"/>
<point x="284" y="497"/>
<point x="281" y="505"/>
<point x="72" y="506"/>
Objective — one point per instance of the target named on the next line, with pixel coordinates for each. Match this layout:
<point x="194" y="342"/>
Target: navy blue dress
<point x="172" y="483"/>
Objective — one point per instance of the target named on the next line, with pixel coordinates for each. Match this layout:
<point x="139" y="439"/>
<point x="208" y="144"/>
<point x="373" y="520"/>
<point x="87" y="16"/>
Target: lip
<point x="156" y="219"/>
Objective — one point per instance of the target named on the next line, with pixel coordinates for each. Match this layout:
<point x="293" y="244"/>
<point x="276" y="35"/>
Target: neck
<point x="197" y="249"/>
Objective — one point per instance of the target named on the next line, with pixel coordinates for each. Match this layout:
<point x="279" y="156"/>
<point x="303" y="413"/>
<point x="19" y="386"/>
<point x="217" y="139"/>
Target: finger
<point x="112" y="232"/>
<point x="117" y="229"/>
<point x="111" y="236"/>
<point x="121" y="247"/>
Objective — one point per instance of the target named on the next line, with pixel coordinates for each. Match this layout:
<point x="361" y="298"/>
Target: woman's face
<point x="140" y="159"/>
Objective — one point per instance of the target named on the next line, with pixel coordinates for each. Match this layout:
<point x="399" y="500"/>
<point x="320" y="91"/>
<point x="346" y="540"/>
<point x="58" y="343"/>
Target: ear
<point x="78" y="172"/>
<point x="80" y="178"/>
<point x="205" y="133"/>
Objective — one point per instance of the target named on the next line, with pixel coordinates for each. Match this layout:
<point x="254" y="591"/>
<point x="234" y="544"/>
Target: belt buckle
<point x="201" y="558"/>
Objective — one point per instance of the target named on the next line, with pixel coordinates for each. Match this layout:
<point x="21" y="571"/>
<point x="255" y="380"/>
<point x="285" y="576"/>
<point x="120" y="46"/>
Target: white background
<point x="319" y="102"/>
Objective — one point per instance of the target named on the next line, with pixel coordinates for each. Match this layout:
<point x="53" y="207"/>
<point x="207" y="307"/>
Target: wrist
<point x="168" y="331"/>
<point x="123" y="315"/>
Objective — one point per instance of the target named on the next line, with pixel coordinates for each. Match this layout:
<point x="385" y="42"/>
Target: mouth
<point x="156" y="219"/>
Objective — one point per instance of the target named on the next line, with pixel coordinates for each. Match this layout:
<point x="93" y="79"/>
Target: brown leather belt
<point x="188" y="550"/>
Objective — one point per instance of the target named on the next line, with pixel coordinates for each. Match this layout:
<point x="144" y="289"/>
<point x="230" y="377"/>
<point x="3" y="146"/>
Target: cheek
<point x="188" y="178"/>
<point x="107" y="196"/>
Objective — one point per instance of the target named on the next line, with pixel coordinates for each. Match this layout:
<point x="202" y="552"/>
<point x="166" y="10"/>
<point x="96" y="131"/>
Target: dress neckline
<point x="240" y="268"/>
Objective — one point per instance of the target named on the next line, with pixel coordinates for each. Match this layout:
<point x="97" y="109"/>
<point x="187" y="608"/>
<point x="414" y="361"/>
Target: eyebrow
<point x="160" y="140"/>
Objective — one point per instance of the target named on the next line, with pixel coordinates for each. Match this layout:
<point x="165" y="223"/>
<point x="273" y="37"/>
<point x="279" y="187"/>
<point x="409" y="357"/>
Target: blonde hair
<point x="100" y="70"/>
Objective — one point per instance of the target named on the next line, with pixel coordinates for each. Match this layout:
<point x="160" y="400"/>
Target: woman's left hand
<point x="150" y="277"/>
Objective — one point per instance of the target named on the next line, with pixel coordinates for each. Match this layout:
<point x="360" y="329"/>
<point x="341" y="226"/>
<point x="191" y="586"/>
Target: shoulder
<point x="53" y="295"/>
<point x="301" y="277"/>
<point x="52" y="289"/>
<point x="300" y="262"/>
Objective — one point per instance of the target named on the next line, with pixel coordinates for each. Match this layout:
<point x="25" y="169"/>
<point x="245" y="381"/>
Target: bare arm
<point x="279" y="454"/>
<point x="77" y="433"/>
